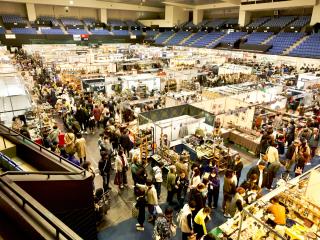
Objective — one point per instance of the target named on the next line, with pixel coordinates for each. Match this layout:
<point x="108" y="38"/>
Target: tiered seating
<point x="230" y="38"/>
<point x="282" y="41"/>
<point x="178" y="37"/>
<point x="232" y="21"/>
<point x="189" y="25"/>
<point x="13" y="19"/>
<point x="258" y="37"/>
<point x="151" y="33"/>
<point x="203" y="23"/>
<point x="207" y="39"/>
<point x="194" y="38"/>
<point x="100" y="32"/>
<point x="136" y="32"/>
<point x="163" y="37"/>
<point x="258" y="22"/>
<point x="89" y="21"/>
<point x="300" y="22"/>
<point x="121" y="32"/>
<point x="71" y="22"/>
<point x="216" y="23"/>
<point x="52" y="31"/>
<point x="24" y="30"/>
<point x="280" y="22"/>
<point x="132" y="23"/>
<point x="77" y="31"/>
<point x="116" y="23"/>
<point x="53" y="20"/>
<point x="308" y="48"/>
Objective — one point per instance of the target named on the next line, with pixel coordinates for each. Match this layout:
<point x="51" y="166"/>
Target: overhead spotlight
<point x="71" y="2"/>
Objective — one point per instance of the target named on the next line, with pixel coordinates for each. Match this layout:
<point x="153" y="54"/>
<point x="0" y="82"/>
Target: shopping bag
<point x="135" y="211"/>
<point x="158" y="209"/>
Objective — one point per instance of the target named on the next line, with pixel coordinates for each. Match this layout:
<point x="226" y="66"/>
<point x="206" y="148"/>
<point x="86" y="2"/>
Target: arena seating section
<point x="280" y="22"/>
<point x="308" y="48"/>
<point x="207" y="39"/>
<point x="71" y="22"/>
<point x="13" y="19"/>
<point x="77" y="31"/>
<point x="178" y="37"/>
<point x="258" y="37"/>
<point x="51" y="31"/>
<point x="163" y="37"/>
<point x="282" y="41"/>
<point x="100" y="32"/>
<point x="193" y="38"/>
<point x="120" y="32"/>
<point x="258" y="22"/>
<point x="24" y="30"/>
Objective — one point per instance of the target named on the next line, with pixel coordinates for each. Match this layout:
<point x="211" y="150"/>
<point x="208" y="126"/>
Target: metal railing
<point x="60" y="228"/>
<point x="13" y="133"/>
<point x="48" y="173"/>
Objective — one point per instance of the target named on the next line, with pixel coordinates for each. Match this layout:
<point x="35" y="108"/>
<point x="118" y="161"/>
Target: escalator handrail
<point x="48" y="173"/>
<point x="17" y="134"/>
<point x="60" y="228"/>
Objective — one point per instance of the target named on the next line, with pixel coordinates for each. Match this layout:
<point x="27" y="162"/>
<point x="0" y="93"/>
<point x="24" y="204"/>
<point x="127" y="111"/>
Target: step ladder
<point x="144" y="152"/>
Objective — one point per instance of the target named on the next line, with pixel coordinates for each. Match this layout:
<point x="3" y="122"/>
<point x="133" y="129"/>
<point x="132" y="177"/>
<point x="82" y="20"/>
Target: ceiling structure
<point x="160" y="3"/>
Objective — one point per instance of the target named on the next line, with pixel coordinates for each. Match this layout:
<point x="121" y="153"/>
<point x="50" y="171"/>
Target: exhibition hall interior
<point x="160" y="119"/>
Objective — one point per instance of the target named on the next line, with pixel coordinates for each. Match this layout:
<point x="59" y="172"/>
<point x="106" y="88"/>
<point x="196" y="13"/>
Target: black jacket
<point x="255" y="170"/>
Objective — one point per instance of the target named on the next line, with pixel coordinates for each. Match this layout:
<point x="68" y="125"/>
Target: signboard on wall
<point x="76" y="37"/>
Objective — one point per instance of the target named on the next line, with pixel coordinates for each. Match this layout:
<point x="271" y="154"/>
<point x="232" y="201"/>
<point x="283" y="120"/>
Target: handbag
<point x="135" y="211"/>
<point x="192" y="237"/>
<point x="173" y="229"/>
<point x="158" y="209"/>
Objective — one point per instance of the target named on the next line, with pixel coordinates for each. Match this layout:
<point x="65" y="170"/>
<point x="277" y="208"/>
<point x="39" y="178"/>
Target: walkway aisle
<point x="119" y="224"/>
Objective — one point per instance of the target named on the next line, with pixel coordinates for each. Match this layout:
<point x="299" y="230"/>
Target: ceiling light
<point x="71" y="2"/>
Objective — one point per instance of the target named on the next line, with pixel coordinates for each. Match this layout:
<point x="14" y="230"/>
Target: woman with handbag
<point x="164" y="229"/>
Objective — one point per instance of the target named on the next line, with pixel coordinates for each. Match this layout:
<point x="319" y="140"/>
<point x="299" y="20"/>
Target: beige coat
<point x="69" y="139"/>
<point x="80" y="146"/>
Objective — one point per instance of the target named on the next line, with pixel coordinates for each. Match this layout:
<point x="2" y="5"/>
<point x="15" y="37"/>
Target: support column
<point x="244" y="18"/>
<point x="103" y="17"/>
<point x="197" y="16"/>
<point x="31" y="12"/>
<point x="315" y="18"/>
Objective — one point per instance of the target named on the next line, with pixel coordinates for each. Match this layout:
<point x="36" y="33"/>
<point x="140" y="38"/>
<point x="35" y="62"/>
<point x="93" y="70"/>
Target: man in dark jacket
<point x="292" y="154"/>
<point x="261" y="172"/>
<point x="104" y="166"/>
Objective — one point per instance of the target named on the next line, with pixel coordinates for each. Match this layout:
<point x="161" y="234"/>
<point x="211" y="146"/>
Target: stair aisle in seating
<point x="178" y="37"/>
<point x="162" y="37"/>
<point x="193" y="38"/>
<point x="207" y="39"/>
<point x="286" y="52"/>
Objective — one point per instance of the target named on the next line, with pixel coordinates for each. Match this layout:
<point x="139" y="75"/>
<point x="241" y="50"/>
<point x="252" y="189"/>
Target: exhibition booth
<point x="302" y="202"/>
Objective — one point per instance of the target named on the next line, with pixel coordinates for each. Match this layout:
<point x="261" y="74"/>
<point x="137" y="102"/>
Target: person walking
<point x="157" y="176"/>
<point x="171" y="180"/>
<point x="141" y="206"/>
<point x="152" y="200"/>
<point x="81" y="148"/>
<point x="185" y="220"/>
<point x="181" y="187"/>
<point x="163" y="226"/>
<point x="121" y="169"/>
<point x="104" y="166"/>
<point x="213" y="189"/>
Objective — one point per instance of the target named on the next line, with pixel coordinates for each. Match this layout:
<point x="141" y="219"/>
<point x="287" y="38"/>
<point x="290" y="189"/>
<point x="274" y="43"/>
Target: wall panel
<point x="13" y="9"/>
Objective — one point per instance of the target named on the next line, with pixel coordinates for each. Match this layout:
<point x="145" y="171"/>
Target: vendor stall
<point x="300" y="198"/>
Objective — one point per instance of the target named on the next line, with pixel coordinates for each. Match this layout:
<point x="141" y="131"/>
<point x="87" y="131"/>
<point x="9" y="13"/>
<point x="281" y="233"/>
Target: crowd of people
<point x="193" y="193"/>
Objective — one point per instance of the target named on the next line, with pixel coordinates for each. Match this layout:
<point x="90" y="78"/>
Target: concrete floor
<point x="118" y="223"/>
